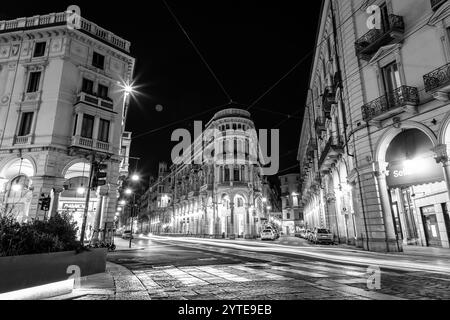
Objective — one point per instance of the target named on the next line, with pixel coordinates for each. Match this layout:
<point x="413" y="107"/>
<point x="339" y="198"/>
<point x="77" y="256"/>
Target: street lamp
<point x="16" y="187"/>
<point x="135" y="178"/>
<point x="128" y="191"/>
<point x="122" y="202"/>
<point x="81" y="190"/>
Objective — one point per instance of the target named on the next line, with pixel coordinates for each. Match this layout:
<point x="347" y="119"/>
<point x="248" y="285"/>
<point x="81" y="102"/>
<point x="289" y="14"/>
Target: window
<point x="240" y="203"/>
<point x="87" y="86"/>
<point x="75" y="125"/>
<point x="87" y="127"/>
<point x="227" y="174"/>
<point x="288" y="216"/>
<point x="236" y="174"/>
<point x="39" y="49"/>
<point x="102" y="91"/>
<point x="391" y="77"/>
<point x="33" y="82"/>
<point x="103" y="131"/>
<point x="25" y="124"/>
<point x="98" y="60"/>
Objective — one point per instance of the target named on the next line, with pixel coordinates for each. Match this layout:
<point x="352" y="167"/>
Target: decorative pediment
<point x="383" y="52"/>
<point x="442" y="13"/>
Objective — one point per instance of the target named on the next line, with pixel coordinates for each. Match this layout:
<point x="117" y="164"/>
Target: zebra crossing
<point x="198" y="276"/>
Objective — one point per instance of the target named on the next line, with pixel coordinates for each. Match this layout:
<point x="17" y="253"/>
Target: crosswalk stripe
<point x="223" y="274"/>
<point x="260" y="273"/>
<point x="185" y="278"/>
<point x="336" y="269"/>
<point x="301" y="272"/>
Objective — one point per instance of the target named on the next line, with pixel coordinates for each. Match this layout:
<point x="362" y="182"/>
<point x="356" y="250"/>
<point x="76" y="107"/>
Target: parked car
<point x="321" y="235"/>
<point x="268" y="234"/>
<point x="277" y="233"/>
<point x="308" y="235"/>
<point x="127" y="234"/>
<point x="302" y="233"/>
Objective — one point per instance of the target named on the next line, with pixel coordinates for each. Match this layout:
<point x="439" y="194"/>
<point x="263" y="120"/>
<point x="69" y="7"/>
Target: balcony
<point x="373" y="40"/>
<point x="436" y="4"/>
<point x="22" y="140"/>
<point x="328" y="99"/>
<point x="90" y="144"/>
<point x="330" y="153"/>
<point x="401" y="99"/>
<point x="91" y="99"/>
<point x="437" y="83"/>
<point x="319" y="124"/>
<point x="60" y="19"/>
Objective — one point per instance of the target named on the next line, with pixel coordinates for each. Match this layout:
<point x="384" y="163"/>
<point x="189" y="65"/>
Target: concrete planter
<point x="20" y="272"/>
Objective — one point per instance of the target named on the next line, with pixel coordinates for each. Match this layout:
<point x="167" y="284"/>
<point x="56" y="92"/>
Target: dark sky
<point x="249" y="44"/>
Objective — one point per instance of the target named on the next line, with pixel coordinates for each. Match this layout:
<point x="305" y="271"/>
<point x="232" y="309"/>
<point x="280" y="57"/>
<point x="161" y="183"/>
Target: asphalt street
<point x="288" y="269"/>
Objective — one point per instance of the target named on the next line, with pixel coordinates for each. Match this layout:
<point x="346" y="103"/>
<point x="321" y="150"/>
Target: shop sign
<point x="414" y="172"/>
<point x="77" y="206"/>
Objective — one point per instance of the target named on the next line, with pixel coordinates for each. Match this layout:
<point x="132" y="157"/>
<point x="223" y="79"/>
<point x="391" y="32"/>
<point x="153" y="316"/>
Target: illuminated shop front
<point x="417" y="191"/>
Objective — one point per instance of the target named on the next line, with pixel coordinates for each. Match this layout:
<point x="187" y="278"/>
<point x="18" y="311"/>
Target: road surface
<point x="205" y="269"/>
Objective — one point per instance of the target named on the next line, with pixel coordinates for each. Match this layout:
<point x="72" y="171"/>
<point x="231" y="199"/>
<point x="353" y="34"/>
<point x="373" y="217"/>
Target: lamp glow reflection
<point x="81" y="190"/>
<point x="16" y="187"/>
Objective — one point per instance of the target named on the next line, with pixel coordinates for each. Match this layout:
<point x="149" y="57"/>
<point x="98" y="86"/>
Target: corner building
<point x="61" y="106"/>
<point x="222" y="197"/>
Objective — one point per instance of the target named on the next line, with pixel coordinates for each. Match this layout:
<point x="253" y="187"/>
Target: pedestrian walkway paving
<point x="259" y="281"/>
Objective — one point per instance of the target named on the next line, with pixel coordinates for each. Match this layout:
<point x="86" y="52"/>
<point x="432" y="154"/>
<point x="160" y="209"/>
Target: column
<point x="55" y="194"/>
<point x="392" y="238"/>
<point x="109" y="205"/>
<point x="101" y="197"/>
<point x="248" y="228"/>
<point x="442" y="157"/>
<point x="232" y="230"/>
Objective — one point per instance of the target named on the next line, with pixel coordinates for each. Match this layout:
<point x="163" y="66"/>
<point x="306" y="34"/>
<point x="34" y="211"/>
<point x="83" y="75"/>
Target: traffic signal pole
<point x="86" y="205"/>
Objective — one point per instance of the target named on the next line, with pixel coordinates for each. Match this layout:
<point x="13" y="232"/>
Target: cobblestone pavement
<point x="190" y="271"/>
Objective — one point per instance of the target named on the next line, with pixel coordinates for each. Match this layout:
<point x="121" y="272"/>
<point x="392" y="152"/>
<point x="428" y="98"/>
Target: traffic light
<point x="99" y="176"/>
<point x="45" y="202"/>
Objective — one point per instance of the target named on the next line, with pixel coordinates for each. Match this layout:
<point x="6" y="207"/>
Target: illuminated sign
<point x="413" y="172"/>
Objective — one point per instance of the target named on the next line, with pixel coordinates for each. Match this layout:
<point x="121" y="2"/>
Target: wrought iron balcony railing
<point x="436" y="4"/>
<point x="368" y="44"/>
<point x="392" y="101"/>
<point x="437" y="78"/>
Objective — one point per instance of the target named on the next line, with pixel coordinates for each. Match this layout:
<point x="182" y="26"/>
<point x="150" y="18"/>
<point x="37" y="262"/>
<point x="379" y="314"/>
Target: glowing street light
<point x="16" y="187"/>
<point x="119" y="209"/>
<point x="264" y="200"/>
<point x="135" y="177"/>
<point x="81" y="190"/>
<point x="128" y="191"/>
<point x="123" y="202"/>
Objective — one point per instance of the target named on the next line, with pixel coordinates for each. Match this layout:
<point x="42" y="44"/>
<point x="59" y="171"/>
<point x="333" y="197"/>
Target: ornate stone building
<point x="221" y="196"/>
<point x="62" y="105"/>
<point x="376" y="132"/>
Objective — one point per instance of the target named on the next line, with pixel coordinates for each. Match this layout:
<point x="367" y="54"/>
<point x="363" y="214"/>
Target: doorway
<point x="431" y="227"/>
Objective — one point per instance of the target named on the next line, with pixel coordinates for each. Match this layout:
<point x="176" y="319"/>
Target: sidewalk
<point x="117" y="283"/>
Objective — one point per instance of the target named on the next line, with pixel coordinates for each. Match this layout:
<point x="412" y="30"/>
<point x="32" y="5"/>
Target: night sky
<point x="249" y="45"/>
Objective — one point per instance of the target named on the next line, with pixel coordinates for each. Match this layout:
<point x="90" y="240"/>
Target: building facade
<point x="375" y="137"/>
<point x="61" y="108"/>
<point x="220" y="196"/>
<point x="292" y="219"/>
